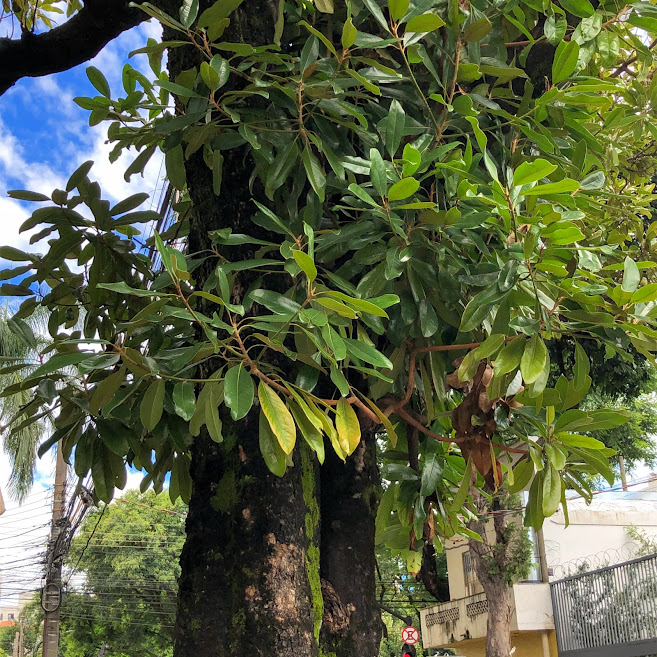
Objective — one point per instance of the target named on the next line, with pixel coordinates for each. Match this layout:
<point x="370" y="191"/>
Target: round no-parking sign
<point x="410" y="635"/>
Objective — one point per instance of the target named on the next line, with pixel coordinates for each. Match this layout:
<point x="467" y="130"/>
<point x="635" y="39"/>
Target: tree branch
<point x="76" y="41"/>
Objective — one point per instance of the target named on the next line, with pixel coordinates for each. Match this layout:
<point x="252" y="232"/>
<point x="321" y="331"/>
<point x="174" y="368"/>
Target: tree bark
<point x="349" y="501"/>
<point x="271" y="566"/>
<point x="249" y="566"/>
<point x="489" y="558"/>
<point x="77" y="40"/>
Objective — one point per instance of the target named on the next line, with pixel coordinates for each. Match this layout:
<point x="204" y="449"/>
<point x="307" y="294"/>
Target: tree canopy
<point x="384" y="215"/>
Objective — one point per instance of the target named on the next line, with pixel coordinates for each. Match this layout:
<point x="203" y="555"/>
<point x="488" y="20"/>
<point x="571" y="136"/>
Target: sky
<point x="44" y="137"/>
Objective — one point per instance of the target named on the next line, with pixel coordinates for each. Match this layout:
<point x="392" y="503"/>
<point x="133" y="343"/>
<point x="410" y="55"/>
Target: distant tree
<point x="127" y="555"/>
<point x="20" y="345"/>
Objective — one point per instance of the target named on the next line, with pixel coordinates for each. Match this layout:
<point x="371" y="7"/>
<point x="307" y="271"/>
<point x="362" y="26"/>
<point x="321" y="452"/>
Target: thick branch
<point x="76" y="41"/>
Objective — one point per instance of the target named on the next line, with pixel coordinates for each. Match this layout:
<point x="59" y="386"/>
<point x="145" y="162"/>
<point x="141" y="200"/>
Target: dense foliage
<point x="440" y="189"/>
<point x="123" y="569"/>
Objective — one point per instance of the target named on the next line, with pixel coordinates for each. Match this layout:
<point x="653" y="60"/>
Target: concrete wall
<point x="526" y="644"/>
<point x="596" y="533"/>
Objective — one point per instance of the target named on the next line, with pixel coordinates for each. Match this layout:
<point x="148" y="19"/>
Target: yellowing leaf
<point x="280" y="419"/>
<point x="348" y="426"/>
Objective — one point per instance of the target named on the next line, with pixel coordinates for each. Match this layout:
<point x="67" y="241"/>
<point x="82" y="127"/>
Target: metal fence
<point x="609" y="612"/>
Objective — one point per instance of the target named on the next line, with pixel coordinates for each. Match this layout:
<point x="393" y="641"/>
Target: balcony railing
<point x="466" y="618"/>
<point x="609" y="612"/>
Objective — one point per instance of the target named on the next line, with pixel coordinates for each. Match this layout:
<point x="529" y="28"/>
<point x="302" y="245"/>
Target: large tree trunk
<point x="251" y="579"/>
<point x="490" y="557"/>
<point x="349" y="500"/>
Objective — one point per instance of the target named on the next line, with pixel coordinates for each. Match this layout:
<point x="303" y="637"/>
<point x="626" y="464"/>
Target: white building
<point x="597" y="536"/>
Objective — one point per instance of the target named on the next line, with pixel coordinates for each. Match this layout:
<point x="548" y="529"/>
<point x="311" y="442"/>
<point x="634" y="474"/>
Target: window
<point x="10" y="616"/>
<point x="472" y="585"/>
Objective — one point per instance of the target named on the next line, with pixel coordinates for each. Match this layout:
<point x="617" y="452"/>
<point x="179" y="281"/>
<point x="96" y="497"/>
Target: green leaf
<point x="432" y="470"/>
<point x="306" y="263"/>
<point x="24" y="195"/>
<point x="152" y="405"/>
<point x="551" y="491"/>
<point x="270" y="449"/>
<point x="477" y="30"/>
<point x="349" y="34"/>
<point x="306" y="423"/>
<point x="314" y="172"/>
<point x="478" y="308"/>
<point x="238" y="391"/>
<point x="428" y="319"/>
<point x="412" y="160"/>
<point x="631" y="276"/>
<point x="347" y="425"/>
<point x="395" y="125"/>
<point x="275" y="302"/>
<point x="14" y="255"/>
<point x="581" y="8"/>
<point x="175" y="166"/>
<point x="403" y="189"/>
<point x="397" y="8"/>
<point x="424" y="23"/>
<point x="555" y="29"/>
<point x="218" y="11"/>
<point x="533" y="359"/>
<point x="522" y="475"/>
<point x="378" y="174"/>
<point x="79" y="175"/>
<point x="595" y="180"/>
<point x="99" y="81"/>
<point x="565" y="59"/>
<point x="577" y="440"/>
<point x="366" y="352"/>
<point x="105" y="390"/>
<point x="124" y="288"/>
<point x="212" y="420"/>
<point x="464" y="488"/>
<point x="279" y="417"/>
<point x="319" y="35"/>
<point x="188" y="12"/>
<point x="60" y="361"/>
<point x="184" y="400"/>
<point x="529" y="172"/>
<point x="565" y="185"/>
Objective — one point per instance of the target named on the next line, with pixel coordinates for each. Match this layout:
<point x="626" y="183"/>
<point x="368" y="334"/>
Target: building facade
<point x="597" y="536"/>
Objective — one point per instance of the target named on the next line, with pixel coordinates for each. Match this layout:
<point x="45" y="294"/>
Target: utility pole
<point x="51" y="595"/>
<point x="19" y="641"/>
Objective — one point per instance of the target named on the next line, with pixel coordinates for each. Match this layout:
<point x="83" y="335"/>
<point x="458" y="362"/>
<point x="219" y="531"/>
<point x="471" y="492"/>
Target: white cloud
<point x="24" y="531"/>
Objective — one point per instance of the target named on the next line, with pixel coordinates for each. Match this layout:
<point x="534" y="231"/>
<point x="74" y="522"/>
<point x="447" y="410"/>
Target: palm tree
<point x="19" y="346"/>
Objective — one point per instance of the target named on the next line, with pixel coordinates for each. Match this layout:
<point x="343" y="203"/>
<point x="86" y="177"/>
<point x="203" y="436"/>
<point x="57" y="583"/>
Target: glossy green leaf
<point x="238" y="391"/>
<point x="534" y="359"/>
<point x="424" y="23"/>
<point x="529" y="172"/>
<point x="403" y="189"/>
<point x="306" y="264"/>
<point x="184" y="399"/>
<point x="565" y="59"/>
<point x="151" y="407"/>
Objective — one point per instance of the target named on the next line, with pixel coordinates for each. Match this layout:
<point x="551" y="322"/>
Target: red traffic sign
<point x="410" y="635"/>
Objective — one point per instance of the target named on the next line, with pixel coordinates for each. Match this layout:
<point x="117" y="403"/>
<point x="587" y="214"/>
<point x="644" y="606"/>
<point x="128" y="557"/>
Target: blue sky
<point x="44" y="137"/>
